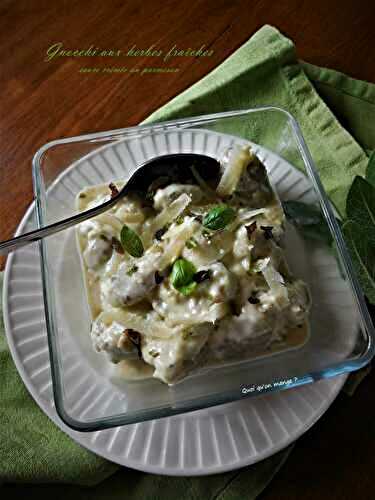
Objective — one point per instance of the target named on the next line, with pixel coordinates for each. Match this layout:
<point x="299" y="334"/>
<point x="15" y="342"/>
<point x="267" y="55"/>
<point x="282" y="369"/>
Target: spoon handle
<point x="36" y="235"/>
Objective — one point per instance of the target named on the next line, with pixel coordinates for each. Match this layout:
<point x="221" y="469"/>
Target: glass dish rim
<point x="345" y="366"/>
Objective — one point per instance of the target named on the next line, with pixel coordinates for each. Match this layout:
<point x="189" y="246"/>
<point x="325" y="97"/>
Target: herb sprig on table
<point x="358" y="228"/>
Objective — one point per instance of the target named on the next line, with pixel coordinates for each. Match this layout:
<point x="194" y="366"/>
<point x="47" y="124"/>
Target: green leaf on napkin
<point x="360" y="207"/>
<point x="308" y="219"/>
<point x="301" y="213"/>
<point x="370" y="171"/>
<point x="363" y="256"/>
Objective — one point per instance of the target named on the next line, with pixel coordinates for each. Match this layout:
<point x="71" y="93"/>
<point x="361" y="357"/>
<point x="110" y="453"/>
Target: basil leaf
<point x="131" y="242"/>
<point x="363" y="255"/>
<point x="188" y="289"/>
<point x="309" y="220"/>
<point x="182" y="273"/>
<point x="218" y="217"/>
<point x="370" y="171"/>
<point x="360" y="206"/>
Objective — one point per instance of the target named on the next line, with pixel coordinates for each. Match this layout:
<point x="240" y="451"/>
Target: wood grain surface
<point x="40" y="101"/>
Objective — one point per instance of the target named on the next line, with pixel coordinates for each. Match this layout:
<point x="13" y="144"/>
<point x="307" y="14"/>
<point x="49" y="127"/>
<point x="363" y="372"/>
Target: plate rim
<point x="79" y="437"/>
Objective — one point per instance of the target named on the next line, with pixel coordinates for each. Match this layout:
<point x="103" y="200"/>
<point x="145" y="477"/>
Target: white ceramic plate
<point x="198" y="443"/>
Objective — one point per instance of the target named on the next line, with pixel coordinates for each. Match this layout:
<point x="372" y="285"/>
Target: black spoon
<point x="175" y="167"/>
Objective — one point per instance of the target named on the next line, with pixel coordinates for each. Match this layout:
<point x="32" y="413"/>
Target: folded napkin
<point x="264" y="70"/>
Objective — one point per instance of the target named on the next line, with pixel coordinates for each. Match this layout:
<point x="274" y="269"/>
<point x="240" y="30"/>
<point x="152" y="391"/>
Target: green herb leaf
<point x="308" y="219"/>
<point x="188" y="289"/>
<point x="370" y="171"/>
<point x="131" y="242"/>
<point x="360" y="206"/>
<point x="218" y="217"/>
<point x="301" y="213"/>
<point x="132" y="270"/>
<point x="192" y="243"/>
<point x="182" y="275"/>
<point x="363" y="255"/>
<point x="150" y="195"/>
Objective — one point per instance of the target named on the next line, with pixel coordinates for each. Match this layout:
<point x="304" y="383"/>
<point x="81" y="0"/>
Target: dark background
<point x="40" y="101"/>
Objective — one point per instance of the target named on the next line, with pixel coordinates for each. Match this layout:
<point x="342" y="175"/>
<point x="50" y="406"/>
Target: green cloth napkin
<point x="265" y="70"/>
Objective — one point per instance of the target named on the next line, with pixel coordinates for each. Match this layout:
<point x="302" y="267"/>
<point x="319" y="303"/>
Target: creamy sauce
<point x="247" y="304"/>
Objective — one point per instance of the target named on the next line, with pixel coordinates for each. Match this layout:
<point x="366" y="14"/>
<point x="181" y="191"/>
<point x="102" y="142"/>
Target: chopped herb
<point x="131" y="242"/>
<point x="145" y="200"/>
<point x="82" y="195"/>
<point x="103" y="237"/>
<point x="218" y="217"/>
<point x="135" y="339"/>
<point x="206" y="234"/>
<point x="132" y="270"/>
<point x="158" y="278"/>
<point x="192" y="243"/>
<point x="203" y="275"/>
<point x="180" y="220"/>
<point x="186" y="334"/>
<point x="154" y="353"/>
<point x="116" y="245"/>
<point x="253" y="300"/>
<point x="150" y="195"/>
<point x="160" y="232"/>
<point x="250" y="229"/>
<point x="113" y="189"/>
<point x="267" y="232"/>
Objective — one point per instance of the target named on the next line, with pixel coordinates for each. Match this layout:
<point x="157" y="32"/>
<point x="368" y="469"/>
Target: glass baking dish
<point x="90" y="394"/>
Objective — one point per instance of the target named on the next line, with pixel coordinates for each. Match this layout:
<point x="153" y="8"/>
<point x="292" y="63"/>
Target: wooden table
<point x="40" y="101"/>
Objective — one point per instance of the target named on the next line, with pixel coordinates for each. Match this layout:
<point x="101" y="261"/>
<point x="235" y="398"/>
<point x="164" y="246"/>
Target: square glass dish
<point x="89" y="393"/>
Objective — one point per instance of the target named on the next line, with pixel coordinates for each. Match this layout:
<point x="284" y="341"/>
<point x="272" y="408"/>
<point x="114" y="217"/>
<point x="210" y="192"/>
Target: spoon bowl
<point x="181" y="168"/>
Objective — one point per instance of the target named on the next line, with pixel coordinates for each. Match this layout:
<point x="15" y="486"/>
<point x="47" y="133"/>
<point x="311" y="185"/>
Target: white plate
<point x="198" y="443"/>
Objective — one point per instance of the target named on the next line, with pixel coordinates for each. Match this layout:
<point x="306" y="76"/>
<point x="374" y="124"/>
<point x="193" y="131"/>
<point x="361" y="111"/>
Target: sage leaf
<point x="360" y="206"/>
<point x="309" y="220"/>
<point x="131" y="242"/>
<point x="363" y="256"/>
<point x="182" y="275"/>
<point x="218" y="217"/>
<point x="301" y="213"/>
<point x="370" y="171"/>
